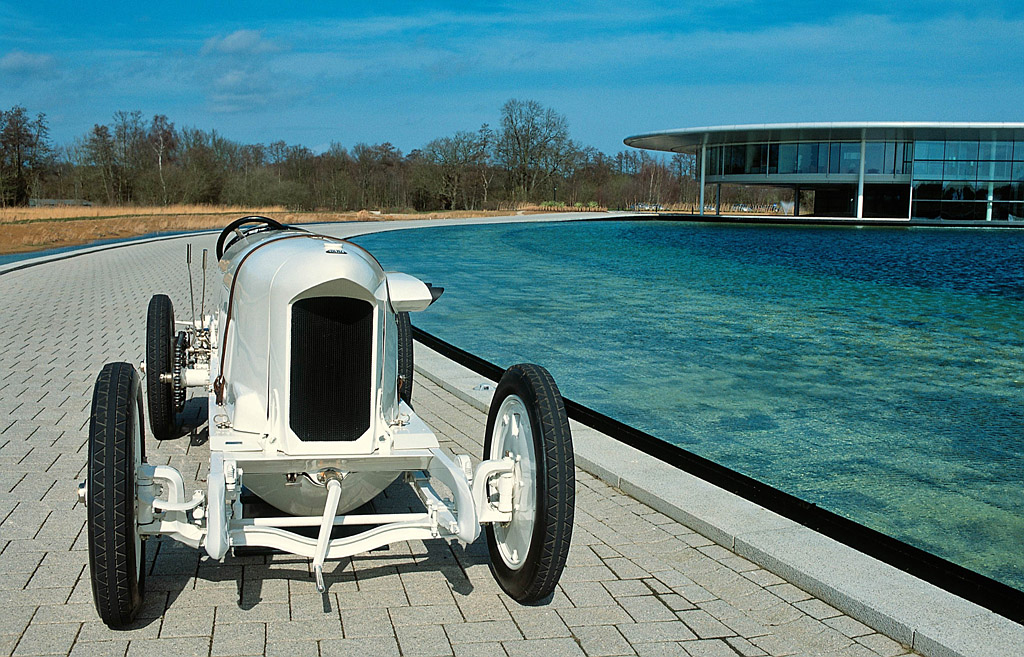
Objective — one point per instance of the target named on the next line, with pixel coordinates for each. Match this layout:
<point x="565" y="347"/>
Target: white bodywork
<point x="244" y="362"/>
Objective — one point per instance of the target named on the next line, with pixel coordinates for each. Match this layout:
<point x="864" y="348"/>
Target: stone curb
<point x="932" y="621"/>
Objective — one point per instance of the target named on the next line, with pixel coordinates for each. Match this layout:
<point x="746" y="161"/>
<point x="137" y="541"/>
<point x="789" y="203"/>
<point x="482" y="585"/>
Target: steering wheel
<point x="235" y="227"/>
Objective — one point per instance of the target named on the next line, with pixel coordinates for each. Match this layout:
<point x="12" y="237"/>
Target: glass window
<point x="996" y="150"/>
<point x="927" y="170"/>
<point x="959" y="170"/>
<point x="1018" y="151"/>
<point x="889" y="165"/>
<point x="714" y="160"/>
<point x="928" y="191"/>
<point x="1018" y="171"/>
<point x="1002" y="192"/>
<point x="733" y="160"/>
<point x="1016" y="212"/>
<point x="807" y="158"/>
<point x="926" y="210"/>
<point x="773" y="158"/>
<point x="929" y="150"/>
<point x="787" y="158"/>
<point x="963" y="211"/>
<point x="874" y="157"/>
<point x="994" y="170"/>
<point x="850" y="157"/>
<point x="957" y="191"/>
<point x="823" y="157"/>
<point x="961" y="150"/>
<point x="757" y="158"/>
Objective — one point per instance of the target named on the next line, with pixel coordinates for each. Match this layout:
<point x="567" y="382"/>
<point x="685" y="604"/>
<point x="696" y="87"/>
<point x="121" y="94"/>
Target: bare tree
<point x="25" y="154"/>
<point x="163" y="140"/>
<point x="534" y="145"/>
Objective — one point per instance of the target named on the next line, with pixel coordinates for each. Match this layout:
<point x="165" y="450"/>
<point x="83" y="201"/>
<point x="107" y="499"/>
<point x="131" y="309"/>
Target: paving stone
<point x="475" y="632"/>
<point x="646" y="608"/>
<point x="882" y="645"/>
<point x="656" y="632"/>
<point x="662" y="649"/>
<point x="178" y="646"/>
<point x="602" y="640"/>
<point x="370" y="622"/>
<point x="49" y="639"/>
<point x="425" y="615"/>
<point x="594" y="616"/>
<point x="704" y="624"/>
<point x="817" y="609"/>
<point x="539" y="623"/>
<point x="239" y="639"/>
<point x="709" y="648"/>
<point x="552" y="647"/>
<point x="99" y="648"/>
<point x="183" y="621"/>
<point x="423" y="641"/>
<point x="744" y="647"/>
<point x="848" y="626"/>
<point x="303" y="648"/>
<point x="361" y="647"/>
<point x="588" y="594"/>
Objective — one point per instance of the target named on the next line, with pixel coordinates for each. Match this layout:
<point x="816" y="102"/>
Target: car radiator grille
<point x="331" y="368"/>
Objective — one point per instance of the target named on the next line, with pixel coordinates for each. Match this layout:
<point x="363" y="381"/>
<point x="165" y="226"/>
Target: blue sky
<point x="408" y="72"/>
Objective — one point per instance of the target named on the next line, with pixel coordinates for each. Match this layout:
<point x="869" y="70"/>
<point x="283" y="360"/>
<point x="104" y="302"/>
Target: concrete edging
<point x="932" y="621"/>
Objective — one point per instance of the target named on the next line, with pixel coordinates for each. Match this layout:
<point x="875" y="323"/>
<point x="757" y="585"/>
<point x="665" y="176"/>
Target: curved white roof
<point x="686" y="140"/>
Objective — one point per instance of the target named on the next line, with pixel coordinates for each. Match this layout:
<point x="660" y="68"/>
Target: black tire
<point x="117" y="442"/>
<point x="160" y="360"/>
<point x="405" y="360"/>
<point x="535" y="579"/>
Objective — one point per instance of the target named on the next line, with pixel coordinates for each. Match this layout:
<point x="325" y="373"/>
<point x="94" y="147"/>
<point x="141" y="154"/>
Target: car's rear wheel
<point x="160" y="358"/>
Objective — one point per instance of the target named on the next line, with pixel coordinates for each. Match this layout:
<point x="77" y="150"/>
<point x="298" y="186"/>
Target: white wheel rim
<point x="137" y="463"/>
<point x="513" y="434"/>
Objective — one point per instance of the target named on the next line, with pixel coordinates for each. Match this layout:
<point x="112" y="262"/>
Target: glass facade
<point x="968" y="180"/>
<point x="951" y="179"/>
<point x="881" y="158"/>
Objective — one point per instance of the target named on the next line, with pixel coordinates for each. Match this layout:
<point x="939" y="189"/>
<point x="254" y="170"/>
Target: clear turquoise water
<point x="875" y="372"/>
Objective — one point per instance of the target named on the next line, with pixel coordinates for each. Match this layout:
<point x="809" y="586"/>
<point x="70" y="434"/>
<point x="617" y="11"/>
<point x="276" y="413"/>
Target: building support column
<point x="718" y="200"/>
<point x="703" y="168"/>
<point x="860" y="178"/>
<point x="796" y="202"/>
<point x="991" y="185"/>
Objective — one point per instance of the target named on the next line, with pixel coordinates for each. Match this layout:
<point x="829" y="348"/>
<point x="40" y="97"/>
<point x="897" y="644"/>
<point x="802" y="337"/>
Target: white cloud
<point x="23" y="64"/>
<point x="240" y="42"/>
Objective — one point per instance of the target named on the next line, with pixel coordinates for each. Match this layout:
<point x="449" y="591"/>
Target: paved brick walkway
<point x="637" y="583"/>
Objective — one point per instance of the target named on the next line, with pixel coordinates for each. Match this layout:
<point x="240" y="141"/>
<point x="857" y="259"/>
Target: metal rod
<point x="202" y="298"/>
<point x="339" y="521"/>
<point x="324" y="539"/>
<point x="191" y="294"/>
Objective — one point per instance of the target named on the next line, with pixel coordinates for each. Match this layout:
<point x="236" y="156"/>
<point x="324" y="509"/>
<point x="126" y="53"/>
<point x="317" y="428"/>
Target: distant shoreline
<point x="32" y="230"/>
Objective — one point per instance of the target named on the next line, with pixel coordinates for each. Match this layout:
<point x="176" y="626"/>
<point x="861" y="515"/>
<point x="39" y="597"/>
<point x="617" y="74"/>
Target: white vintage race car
<point x="307" y="363"/>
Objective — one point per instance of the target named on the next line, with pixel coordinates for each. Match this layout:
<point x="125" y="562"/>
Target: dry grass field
<point x="34" y="229"/>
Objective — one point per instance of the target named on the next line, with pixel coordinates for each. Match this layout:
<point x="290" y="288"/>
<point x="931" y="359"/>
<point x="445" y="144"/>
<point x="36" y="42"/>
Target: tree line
<point x="528" y="158"/>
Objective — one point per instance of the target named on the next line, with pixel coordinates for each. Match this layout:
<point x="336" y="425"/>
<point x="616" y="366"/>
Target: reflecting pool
<point x="875" y="372"/>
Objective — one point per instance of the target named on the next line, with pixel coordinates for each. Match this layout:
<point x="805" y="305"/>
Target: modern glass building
<point x="929" y="171"/>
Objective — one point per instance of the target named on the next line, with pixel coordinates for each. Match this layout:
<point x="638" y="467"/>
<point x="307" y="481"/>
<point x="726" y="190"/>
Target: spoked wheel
<point x="405" y="362"/>
<point x="117" y="554"/>
<point x="160" y="359"/>
<point x="527" y="420"/>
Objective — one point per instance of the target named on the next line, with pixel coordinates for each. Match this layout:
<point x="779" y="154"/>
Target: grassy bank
<point x="34" y="229"/>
